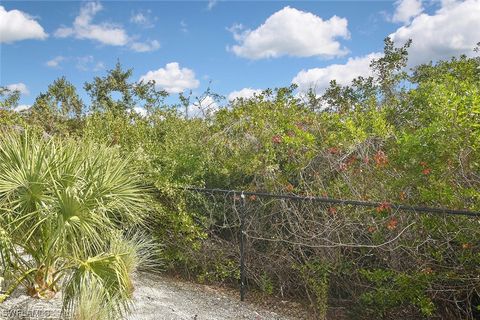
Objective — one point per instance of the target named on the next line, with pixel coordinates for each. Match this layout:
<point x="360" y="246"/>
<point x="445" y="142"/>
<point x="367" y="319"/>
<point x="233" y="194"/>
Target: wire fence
<point x="284" y="241"/>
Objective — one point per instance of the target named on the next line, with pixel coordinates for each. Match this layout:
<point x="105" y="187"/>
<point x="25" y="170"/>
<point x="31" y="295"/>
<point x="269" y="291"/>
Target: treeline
<point x="399" y="136"/>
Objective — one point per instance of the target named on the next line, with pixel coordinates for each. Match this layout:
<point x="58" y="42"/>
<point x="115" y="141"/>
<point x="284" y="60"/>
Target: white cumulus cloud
<point x="172" y="78"/>
<point x="319" y="78"/>
<point x="145" y="46"/>
<point x="16" y="25"/>
<point x="452" y="30"/>
<point x="83" y="28"/>
<point x="20" y="87"/>
<point x="244" y="93"/>
<point x="294" y="33"/>
<point x="22" y="107"/>
<point x="406" y="10"/>
<point x="206" y="106"/>
<point x="55" y="62"/>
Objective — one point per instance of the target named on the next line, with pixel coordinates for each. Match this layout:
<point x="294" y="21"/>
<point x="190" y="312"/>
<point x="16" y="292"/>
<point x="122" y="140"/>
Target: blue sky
<point x="235" y="46"/>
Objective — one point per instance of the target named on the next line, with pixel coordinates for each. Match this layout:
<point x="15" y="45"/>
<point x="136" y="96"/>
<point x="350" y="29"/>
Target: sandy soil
<point x="169" y="299"/>
<point x="155" y="297"/>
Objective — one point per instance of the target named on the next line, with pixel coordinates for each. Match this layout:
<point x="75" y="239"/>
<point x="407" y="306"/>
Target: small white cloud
<point x="88" y="63"/>
<point x="22" y="107"/>
<point x="141" y="111"/>
<point x="206" y="106"/>
<point x="20" y="87"/>
<point x="16" y="25"/>
<point x="55" y="62"/>
<point x="138" y="18"/>
<point x="145" y="46"/>
<point x="83" y="28"/>
<point x="172" y="78"/>
<point x="319" y="78"/>
<point x="294" y="33"/>
<point x="143" y="19"/>
<point x="183" y="26"/>
<point x="406" y="10"/>
<point x="99" y="66"/>
<point x="211" y="4"/>
<point x="451" y="31"/>
<point x="244" y="93"/>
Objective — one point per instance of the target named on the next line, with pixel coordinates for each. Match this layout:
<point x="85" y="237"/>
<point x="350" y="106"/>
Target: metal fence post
<point x="242" y="248"/>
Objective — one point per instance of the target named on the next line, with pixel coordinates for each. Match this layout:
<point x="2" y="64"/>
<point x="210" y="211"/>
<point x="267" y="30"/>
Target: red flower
<point x="333" y="150"/>
<point x="392" y="224"/>
<point x="384" y="206"/>
<point x="253" y="197"/>
<point x="277" y="139"/>
<point x="380" y="158"/>
<point x="423" y="163"/>
<point x="351" y="160"/>
<point x="332" y="210"/>
<point x="426" y="171"/>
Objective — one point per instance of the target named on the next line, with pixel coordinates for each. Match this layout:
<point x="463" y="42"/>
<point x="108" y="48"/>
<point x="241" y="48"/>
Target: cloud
<point x="319" y="78"/>
<point x="206" y="106"/>
<point x="20" y="87"/>
<point x="141" y="111"/>
<point x="143" y="19"/>
<point x="55" y="62"/>
<point x="294" y="33"/>
<point x="244" y="93"/>
<point x="451" y="31"/>
<point x="22" y="107"/>
<point x="183" y="26"/>
<point x="211" y="4"/>
<point x="106" y="33"/>
<point x="406" y="10"/>
<point x="83" y="28"/>
<point x="16" y="25"/>
<point x="145" y="46"/>
<point x="88" y="63"/>
<point x="172" y="78"/>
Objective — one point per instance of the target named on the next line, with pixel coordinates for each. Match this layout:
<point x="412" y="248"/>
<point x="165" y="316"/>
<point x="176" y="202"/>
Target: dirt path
<point x="155" y="298"/>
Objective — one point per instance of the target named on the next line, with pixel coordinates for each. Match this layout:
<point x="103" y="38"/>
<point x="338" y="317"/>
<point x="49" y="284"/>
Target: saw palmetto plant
<point x="66" y="212"/>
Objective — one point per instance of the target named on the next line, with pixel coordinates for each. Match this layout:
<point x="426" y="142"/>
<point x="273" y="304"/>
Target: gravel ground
<point x="163" y="298"/>
<point x="155" y="297"/>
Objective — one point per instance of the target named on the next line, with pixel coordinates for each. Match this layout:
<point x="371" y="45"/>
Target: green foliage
<point x="316" y="275"/>
<point x="116" y="94"/>
<point x="398" y="136"/>
<point x="63" y="207"/>
<point x="395" y="290"/>
<point x="59" y="110"/>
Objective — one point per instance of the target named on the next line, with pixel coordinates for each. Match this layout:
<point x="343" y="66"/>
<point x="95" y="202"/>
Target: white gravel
<point x="155" y="298"/>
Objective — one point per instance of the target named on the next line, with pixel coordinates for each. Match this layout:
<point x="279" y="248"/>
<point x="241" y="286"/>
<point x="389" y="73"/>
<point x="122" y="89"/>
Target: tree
<point x="59" y="109"/>
<point x="102" y="91"/>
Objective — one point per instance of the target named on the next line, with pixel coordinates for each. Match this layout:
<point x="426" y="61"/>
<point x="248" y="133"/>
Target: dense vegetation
<point x="400" y="136"/>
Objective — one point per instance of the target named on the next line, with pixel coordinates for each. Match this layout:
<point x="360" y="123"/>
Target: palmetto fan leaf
<point x="61" y="203"/>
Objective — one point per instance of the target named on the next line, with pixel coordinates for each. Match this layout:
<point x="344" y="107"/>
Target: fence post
<point x="242" y="248"/>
